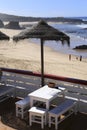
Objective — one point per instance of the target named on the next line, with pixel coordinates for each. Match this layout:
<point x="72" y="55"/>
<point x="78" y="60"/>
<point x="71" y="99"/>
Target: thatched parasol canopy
<point x="44" y="32"/>
<point x="3" y="36"/>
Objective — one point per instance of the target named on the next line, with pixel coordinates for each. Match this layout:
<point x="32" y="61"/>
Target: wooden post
<point x="42" y="63"/>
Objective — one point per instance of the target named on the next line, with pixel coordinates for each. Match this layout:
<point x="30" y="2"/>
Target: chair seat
<point x="64" y="110"/>
<point x="37" y="115"/>
<point x="62" y="107"/>
<point x="23" y="102"/>
<point x="22" y="107"/>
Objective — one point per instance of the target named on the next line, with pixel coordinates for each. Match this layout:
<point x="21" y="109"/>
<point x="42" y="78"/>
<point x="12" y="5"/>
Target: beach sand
<point x="26" y="55"/>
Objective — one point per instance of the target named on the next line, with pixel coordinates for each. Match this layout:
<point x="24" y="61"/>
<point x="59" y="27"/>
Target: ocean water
<point x="78" y="36"/>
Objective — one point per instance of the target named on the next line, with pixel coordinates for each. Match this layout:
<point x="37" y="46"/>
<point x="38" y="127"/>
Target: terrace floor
<point x="7" y="117"/>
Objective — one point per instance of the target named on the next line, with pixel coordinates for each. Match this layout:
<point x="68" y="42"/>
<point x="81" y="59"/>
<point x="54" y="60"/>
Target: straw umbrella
<point x="44" y="32"/>
<point x="3" y="36"/>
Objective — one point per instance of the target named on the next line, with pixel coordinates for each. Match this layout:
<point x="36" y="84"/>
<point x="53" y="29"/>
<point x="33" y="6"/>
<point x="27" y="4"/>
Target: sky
<point x="44" y="8"/>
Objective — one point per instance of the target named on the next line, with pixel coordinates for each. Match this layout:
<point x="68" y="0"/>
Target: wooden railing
<point x="61" y="78"/>
<point x="28" y="81"/>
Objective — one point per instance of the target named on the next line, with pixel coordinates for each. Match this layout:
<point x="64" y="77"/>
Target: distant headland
<point x="82" y="47"/>
<point x="7" y="17"/>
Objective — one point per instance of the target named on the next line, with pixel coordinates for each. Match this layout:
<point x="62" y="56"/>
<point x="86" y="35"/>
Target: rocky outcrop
<point x="4" y="36"/>
<point x="82" y="47"/>
<point x="13" y="25"/>
<point x="1" y="24"/>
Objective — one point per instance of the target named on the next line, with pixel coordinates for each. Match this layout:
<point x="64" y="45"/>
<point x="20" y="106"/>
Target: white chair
<point x="37" y="115"/>
<point x="22" y="107"/>
<point x="58" y="114"/>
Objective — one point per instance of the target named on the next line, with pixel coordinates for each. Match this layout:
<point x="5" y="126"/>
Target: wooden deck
<point x="7" y="114"/>
<point x="25" y="83"/>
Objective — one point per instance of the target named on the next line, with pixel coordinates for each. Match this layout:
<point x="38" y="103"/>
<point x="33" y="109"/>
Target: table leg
<point x="42" y="122"/>
<point x="56" y="123"/>
<point x="30" y="120"/>
<point x="47" y="105"/>
<point x="31" y="102"/>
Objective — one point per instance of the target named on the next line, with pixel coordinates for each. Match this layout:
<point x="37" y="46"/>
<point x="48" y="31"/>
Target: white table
<point x="44" y="94"/>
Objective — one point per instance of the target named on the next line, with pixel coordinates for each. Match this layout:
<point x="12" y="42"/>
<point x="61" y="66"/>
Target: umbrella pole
<point x="42" y="63"/>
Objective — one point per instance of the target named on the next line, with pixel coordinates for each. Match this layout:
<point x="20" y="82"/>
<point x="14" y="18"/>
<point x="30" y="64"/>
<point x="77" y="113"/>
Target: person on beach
<point x="69" y="56"/>
<point x="76" y="58"/>
<point x="80" y="58"/>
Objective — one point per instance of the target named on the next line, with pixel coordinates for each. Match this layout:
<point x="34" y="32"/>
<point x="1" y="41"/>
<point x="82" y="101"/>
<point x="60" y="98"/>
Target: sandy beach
<point x="26" y="55"/>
